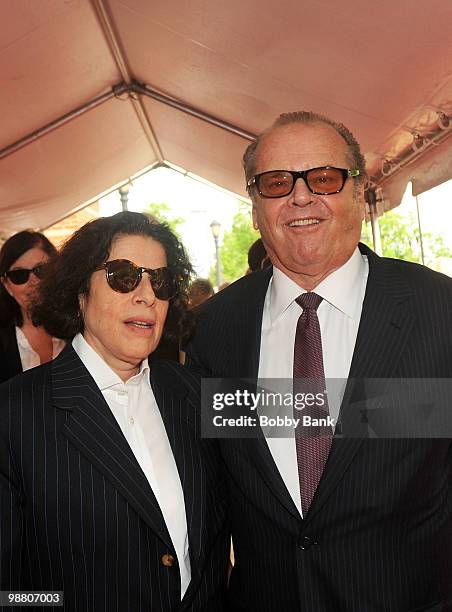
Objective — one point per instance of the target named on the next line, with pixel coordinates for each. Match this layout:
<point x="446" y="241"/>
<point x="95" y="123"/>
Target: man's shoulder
<point x="248" y="287"/>
<point x="414" y="276"/>
<point x="175" y="377"/>
<point x="419" y="277"/>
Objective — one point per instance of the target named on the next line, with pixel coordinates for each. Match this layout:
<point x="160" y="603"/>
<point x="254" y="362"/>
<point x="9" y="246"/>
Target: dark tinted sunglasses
<point x="124" y="276"/>
<point x="20" y="276"/>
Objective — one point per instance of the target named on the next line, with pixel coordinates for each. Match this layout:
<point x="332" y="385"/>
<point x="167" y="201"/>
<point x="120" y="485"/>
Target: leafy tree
<point x="162" y="212"/>
<point x="401" y="239"/>
<point x="234" y="250"/>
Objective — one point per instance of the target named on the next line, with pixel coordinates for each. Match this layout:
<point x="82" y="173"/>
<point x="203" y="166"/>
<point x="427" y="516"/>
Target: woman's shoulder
<point x="26" y="383"/>
<point x="7" y="330"/>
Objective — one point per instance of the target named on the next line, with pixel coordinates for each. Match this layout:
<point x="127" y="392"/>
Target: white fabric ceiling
<point x="382" y="68"/>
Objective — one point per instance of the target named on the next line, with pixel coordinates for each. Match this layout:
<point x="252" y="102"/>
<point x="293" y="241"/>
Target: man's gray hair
<point x="307" y="117"/>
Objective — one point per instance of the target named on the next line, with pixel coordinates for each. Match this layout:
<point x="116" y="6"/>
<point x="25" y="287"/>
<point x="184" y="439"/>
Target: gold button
<point x="168" y="560"/>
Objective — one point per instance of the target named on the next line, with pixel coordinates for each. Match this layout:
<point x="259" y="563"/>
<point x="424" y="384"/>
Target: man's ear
<point x="362" y="206"/>
<point x="361" y="201"/>
<point x="255" y="223"/>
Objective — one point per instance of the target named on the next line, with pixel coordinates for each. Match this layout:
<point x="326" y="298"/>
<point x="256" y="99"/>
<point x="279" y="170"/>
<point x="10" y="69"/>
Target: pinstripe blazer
<point x="77" y="512"/>
<point x="378" y="535"/>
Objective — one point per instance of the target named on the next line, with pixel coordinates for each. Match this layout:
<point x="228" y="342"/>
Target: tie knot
<point x="309" y="300"/>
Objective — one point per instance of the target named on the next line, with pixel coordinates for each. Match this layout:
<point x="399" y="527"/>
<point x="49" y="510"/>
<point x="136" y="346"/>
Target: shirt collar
<point x="103" y="375"/>
<point x="22" y="339"/>
<point x="23" y="342"/>
<point x="340" y="288"/>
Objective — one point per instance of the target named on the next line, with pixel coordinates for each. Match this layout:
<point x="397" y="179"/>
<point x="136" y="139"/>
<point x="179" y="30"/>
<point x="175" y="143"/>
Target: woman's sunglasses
<point x="20" y="276"/>
<point x="124" y="276"/>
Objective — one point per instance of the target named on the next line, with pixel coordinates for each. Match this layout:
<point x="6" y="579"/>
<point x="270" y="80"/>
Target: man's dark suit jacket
<point x="378" y="536"/>
<point x="76" y="511"/>
<point x="10" y="363"/>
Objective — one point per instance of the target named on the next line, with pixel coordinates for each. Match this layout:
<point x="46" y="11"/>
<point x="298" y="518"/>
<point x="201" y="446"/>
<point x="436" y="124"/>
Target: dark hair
<point x="10" y="252"/>
<point x="200" y="290"/>
<point x="201" y="285"/>
<point x="308" y="117"/>
<point x="257" y="256"/>
<point x="86" y="250"/>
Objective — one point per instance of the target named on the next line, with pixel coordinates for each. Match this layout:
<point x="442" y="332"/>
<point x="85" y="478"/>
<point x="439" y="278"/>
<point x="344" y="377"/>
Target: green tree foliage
<point x="401" y="239"/>
<point x="162" y="212"/>
<point x="234" y="249"/>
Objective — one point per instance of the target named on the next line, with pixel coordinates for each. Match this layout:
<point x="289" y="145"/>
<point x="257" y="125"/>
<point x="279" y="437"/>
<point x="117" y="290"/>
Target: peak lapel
<point x="92" y="428"/>
<point x="248" y="338"/>
<point x="180" y="417"/>
<point x="384" y="329"/>
<point x="249" y="325"/>
<point x="386" y="321"/>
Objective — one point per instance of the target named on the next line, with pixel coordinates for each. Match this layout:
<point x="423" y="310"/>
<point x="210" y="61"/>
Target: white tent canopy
<point x="92" y="92"/>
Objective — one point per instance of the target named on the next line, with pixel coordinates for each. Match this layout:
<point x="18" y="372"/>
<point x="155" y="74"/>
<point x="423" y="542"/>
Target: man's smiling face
<point x="307" y="236"/>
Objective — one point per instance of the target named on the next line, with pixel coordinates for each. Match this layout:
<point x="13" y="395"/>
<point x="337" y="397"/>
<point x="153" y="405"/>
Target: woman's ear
<point x="82" y="303"/>
<point x="5" y="283"/>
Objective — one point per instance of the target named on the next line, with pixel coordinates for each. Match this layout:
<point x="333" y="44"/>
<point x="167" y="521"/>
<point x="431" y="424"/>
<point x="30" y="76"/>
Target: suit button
<point x="168" y="560"/>
<point x="306" y="543"/>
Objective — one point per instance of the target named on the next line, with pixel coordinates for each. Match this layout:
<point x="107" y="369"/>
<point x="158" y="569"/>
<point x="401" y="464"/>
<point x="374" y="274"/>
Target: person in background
<point x="24" y="343"/>
<point x="257" y="257"/>
<point x="107" y="491"/>
<point x="201" y="289"/>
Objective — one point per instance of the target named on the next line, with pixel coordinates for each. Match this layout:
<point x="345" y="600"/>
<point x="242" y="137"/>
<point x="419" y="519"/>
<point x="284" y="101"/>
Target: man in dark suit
<point x="372" y="531"/>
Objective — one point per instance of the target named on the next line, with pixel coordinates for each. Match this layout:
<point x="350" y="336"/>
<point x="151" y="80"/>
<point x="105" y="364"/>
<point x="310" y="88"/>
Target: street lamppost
<point x="124" y="195"/>
<point x="215" y="227"/>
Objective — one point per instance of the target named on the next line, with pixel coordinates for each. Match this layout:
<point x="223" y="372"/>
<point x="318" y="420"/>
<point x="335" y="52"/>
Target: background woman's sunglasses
<point x="20" y="276"/>
<point x="124" y="276"/>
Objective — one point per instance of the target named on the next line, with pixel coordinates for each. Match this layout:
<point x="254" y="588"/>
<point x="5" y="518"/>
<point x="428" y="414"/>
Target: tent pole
<point x="53" y="125"/>
<point x="145" y="90"/>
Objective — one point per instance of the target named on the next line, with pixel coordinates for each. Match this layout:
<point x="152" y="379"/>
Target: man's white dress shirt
<point x="339" y="315"/>
<point x="135" y="409"/>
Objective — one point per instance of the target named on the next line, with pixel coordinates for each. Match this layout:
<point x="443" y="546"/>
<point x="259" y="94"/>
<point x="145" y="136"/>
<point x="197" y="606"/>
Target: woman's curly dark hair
<point x="10" y="252"/>
<point x="86" y="250"/>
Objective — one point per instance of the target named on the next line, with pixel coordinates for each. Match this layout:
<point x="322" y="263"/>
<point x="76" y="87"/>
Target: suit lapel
<point x="386" y="321"/>
<point x="385" y="326"/>
<point x="92" y="428"/>
<point x="179" y="418"/>
<point x="249" y="328"/>
<point x="259" y="454"/>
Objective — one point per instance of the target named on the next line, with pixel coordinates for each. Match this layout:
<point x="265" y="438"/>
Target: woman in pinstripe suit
<point x="107" y="492"/>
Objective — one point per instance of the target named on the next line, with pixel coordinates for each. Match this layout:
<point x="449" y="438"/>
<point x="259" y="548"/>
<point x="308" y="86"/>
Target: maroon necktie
<point x="313" y="443"/>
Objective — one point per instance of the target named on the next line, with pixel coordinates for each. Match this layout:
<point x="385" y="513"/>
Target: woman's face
<point x="124" y="328"/>
<point x="25" y="294"/>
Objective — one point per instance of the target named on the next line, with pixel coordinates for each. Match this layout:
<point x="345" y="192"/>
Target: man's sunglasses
<point x="325" y="180"/>
<point x="20" y="276"/>
<point x="124" y="276"/>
